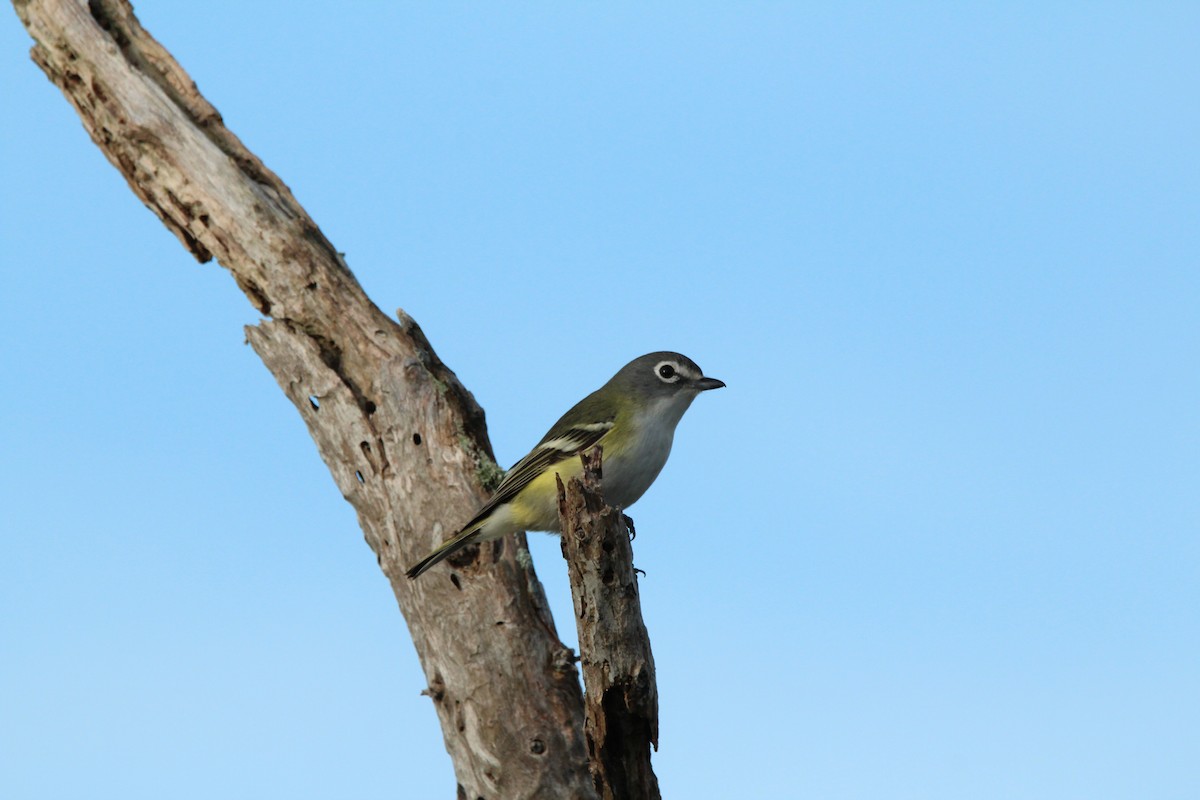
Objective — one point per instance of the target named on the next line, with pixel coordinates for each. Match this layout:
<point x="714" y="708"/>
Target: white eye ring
<point x="667" y="371"/>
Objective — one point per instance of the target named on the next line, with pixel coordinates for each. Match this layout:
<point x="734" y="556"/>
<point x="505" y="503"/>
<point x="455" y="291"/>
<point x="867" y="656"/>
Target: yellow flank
<point x="535" y="508"/>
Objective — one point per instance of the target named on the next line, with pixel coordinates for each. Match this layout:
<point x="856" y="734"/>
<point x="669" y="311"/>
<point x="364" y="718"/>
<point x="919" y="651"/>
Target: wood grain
<point x="405" y="442"/>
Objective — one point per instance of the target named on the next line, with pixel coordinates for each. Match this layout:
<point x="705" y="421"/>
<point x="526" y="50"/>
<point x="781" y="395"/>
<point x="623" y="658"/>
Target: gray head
<point x="664" y="375"/>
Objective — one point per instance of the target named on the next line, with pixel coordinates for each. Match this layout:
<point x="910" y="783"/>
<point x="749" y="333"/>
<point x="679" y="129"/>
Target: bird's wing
<point x="550" y="451"/>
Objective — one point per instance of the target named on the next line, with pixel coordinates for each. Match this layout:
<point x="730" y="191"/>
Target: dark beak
<point x="704" y="384"/>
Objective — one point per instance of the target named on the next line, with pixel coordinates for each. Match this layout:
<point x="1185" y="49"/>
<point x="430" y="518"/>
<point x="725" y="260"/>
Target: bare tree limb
<point x="621" y="696"/>
<point x="405" y="442"/>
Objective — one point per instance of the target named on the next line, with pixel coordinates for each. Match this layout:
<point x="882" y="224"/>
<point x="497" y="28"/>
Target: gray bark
<point x="621" y="702"/>
<point x="405" y="442"/>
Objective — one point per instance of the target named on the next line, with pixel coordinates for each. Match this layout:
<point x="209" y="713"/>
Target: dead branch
<point x="405" y="442"/>
<point x="620" y="693"/>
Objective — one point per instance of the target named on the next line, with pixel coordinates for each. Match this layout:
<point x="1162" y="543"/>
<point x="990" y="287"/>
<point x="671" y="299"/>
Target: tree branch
<point x="405" y="442"/>
<point x="621" y="697"/>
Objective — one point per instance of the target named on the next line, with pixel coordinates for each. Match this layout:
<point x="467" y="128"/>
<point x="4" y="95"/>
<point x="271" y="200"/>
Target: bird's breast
<point x="629" y="470"/>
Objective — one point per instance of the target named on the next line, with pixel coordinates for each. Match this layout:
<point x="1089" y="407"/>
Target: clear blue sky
<point x="939" y="539"/>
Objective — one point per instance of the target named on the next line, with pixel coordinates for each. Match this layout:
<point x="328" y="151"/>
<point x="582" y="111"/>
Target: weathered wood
<point x="405" y="442"/>
<point x="620" y="693"/>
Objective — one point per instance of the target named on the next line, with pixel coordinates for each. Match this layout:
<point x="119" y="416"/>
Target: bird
<point x="632" y="417"/>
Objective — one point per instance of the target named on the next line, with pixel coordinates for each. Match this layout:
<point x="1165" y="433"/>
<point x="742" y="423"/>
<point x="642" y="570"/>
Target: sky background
<point x="940" y="537"/>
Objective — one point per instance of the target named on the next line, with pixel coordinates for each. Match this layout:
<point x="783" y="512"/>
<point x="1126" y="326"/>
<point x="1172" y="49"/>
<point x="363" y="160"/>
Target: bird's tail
<point x="461" y="539"/>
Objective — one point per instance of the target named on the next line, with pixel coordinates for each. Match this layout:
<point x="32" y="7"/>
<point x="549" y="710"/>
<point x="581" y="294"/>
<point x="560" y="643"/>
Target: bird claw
<point x="628" y="520"/>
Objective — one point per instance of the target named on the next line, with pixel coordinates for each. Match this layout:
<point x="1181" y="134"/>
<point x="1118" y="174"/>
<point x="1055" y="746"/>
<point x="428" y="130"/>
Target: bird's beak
<point x="704" y="384"/>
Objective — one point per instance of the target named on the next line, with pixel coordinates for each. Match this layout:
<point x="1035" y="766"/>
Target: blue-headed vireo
<point x="633" y="417"/>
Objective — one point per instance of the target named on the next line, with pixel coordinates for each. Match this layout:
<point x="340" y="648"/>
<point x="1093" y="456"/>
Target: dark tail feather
<point x="460" y="541"/>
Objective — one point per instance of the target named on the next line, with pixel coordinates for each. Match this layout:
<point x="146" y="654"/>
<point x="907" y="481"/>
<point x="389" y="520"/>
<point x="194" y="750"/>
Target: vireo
<point x="633" y="417"/>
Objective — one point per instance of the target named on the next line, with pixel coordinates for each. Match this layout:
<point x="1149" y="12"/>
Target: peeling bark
<point x="405" y="442"/>
<point x="621" y="696"/>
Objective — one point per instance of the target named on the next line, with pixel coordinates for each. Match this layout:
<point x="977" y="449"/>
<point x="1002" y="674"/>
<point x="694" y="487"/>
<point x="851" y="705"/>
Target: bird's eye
<point x="666" y="372"/>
